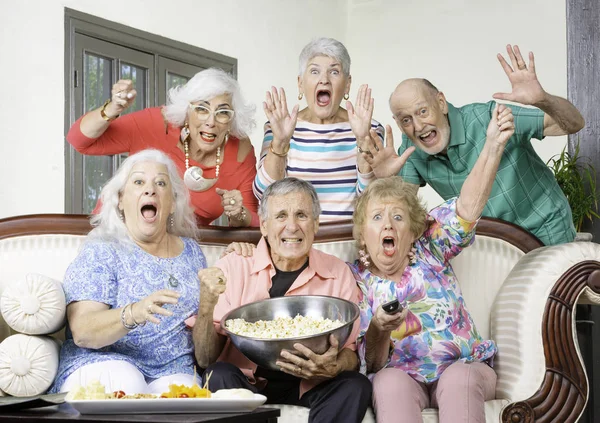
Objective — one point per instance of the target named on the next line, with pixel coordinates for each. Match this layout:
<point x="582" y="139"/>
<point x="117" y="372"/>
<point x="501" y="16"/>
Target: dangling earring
<point x="171" y="221"/>
<point x="185" y="132"/>
<point x="122" y="215"/>
<point x="364" y="258"/>
<point x="412" y="257"/>
<point x="300" y="96"/>
<point x="346" y="96"/>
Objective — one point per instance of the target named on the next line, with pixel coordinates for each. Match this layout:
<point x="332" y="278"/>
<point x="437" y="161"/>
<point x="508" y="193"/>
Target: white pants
<point x="123" y="376"/>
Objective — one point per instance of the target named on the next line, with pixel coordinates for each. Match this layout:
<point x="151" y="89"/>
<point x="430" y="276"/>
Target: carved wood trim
<point x="564" y="390"/>
<point x="77" y="224"/>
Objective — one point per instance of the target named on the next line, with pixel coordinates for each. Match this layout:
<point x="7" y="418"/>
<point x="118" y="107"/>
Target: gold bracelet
<point x="279" y="154"/>
<point x="241" y="216"/>
<point x="104" y="115"/>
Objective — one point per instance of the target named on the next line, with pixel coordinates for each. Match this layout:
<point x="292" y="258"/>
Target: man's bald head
<point x="420" y="109"/>
<point x="419" y="84"/>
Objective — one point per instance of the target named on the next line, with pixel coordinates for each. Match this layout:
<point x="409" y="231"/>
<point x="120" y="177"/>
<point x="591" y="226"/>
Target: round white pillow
<point x="35" y="307"/>
<point x="28" y="364"/>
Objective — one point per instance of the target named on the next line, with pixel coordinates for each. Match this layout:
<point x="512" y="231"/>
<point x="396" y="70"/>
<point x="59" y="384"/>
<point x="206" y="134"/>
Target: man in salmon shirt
<point x="284" y="263"/>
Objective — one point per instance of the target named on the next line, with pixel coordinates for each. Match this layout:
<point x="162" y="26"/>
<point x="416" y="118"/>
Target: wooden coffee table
<point x="65" y="413"/>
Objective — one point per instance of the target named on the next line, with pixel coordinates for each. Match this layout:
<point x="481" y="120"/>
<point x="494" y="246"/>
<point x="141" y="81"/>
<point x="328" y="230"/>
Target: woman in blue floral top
<point x="133" y="284"/>
<point x="430" y="353"/>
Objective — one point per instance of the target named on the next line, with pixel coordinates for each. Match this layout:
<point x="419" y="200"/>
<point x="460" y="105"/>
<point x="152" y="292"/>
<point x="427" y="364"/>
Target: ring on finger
<point x="149" y="308"/>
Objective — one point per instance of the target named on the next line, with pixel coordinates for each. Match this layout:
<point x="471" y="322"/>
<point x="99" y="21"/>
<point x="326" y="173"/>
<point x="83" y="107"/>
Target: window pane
<point x="174" y="80"/>
<point x="97" y="81"/>
<point x="96" y="171"/>
<point x="138" y="75"/>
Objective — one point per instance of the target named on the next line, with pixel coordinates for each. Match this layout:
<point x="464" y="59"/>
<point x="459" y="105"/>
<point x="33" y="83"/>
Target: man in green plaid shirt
<point x="448" y="141"/>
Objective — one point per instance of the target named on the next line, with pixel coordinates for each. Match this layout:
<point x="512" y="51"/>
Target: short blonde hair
<point x="392" y="188"/>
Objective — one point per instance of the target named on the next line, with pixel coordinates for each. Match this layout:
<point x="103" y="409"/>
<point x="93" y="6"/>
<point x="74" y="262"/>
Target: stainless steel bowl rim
<point x="355" y="316"/>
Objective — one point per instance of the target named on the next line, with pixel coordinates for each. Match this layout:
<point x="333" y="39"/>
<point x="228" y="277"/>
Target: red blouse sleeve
<point x="118" y="138"/>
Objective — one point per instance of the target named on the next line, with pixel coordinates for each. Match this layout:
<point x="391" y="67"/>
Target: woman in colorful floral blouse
<point x="429" y="354"/>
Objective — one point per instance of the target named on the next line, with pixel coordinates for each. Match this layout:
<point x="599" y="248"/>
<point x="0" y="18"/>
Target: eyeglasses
<point x="203" y="113"/>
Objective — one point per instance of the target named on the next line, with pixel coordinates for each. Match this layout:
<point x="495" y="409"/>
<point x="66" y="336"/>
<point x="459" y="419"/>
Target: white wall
<point x="265" y="36"/>
<point x="453" y="43"/>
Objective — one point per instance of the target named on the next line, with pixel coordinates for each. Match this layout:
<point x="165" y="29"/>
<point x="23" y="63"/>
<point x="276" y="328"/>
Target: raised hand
<point x="145" y="310"/>
<point x="360" y="116"/>
<point x="232" y="202"/>
<point x="526" y="89"/>
<point x="212" y="284"/>
<point x="282" y="121"/>
<point x="502" y="125"/>
<point x="384" y="160"/>
<point x="122" y="96"/>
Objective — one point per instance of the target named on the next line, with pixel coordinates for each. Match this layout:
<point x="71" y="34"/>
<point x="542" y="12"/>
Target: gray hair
<point x="325" y="47"/>
<point x="108" y="225"/>
<point x="204" y="86"/>
<point x="287" y="186"/>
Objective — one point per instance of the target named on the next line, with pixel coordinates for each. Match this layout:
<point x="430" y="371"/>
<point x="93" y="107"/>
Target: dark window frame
<point x="82" y="23"/>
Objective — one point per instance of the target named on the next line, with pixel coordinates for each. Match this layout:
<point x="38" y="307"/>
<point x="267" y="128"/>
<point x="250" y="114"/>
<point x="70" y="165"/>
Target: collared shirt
<point x="249" y="280"/>
<point x="525" y="191"/>
<point x="438" y="330"/>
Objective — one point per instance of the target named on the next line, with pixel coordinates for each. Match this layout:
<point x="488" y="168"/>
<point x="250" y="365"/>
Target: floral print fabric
<point x="438" y="330"/>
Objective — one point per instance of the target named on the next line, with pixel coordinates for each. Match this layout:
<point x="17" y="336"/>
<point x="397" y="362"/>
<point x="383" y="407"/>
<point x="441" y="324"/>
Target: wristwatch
<point x="104" y="115"/>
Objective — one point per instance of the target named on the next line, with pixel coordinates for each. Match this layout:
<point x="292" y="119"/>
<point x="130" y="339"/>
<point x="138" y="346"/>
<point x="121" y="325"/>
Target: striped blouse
<point x="324" y="155"/>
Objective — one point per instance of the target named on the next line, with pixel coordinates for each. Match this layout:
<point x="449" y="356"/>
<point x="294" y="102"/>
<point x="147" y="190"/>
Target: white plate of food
<point x="93" y="399"/>
<point x="168" y="405"/>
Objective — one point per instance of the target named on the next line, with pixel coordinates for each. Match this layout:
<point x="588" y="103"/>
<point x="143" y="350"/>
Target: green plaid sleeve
<point x="529" y="123"/>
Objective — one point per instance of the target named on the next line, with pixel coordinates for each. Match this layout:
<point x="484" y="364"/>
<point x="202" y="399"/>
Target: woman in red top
<point x="203" y="129"/>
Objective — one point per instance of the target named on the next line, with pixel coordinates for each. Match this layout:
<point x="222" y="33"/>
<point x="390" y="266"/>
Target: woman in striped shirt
<point x="320" y="143"/>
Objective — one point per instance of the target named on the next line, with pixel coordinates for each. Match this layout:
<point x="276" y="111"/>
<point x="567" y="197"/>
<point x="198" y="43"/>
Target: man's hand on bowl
<point x="313" y="366"/>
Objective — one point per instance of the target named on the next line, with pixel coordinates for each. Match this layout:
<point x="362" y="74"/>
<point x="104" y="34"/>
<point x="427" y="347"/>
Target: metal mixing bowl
<point x="265" y="352"/>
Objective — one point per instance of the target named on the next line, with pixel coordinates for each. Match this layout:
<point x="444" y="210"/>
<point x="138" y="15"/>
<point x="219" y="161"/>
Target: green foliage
<point x="573" y="173"/>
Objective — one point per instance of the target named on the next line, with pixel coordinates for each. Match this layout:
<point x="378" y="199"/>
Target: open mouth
<point x="291" y="241"/>
<point x="389" y="246"/>
<point x="323" y="98"/>
<point x="428" y="137"/>
<point x="208" y="137"/>
<point x="149" y="212"/>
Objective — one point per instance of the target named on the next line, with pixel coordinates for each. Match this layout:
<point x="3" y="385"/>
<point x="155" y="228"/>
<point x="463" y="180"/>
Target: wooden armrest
<point x="563" y="392"/>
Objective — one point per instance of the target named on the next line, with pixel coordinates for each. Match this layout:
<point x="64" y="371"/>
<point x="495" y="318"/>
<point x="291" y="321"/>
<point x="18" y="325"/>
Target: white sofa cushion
<point x="36" y="306"/>
<point x="28" y="364"/>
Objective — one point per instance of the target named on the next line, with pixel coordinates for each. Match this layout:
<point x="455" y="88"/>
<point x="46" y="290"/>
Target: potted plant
<point x="573" y="173"/>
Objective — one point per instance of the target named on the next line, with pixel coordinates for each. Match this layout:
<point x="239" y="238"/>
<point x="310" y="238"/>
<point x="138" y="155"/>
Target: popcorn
<point x="282" y="327"/>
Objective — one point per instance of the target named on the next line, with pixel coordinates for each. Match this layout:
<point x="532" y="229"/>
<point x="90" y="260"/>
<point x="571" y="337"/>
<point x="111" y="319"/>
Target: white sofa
<point x="519" y="294"/>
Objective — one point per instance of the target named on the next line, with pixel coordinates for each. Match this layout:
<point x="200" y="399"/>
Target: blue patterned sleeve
<point x="198" y="258"/>
<point x="92" y="275"/>
<point x="448" y="234"/>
